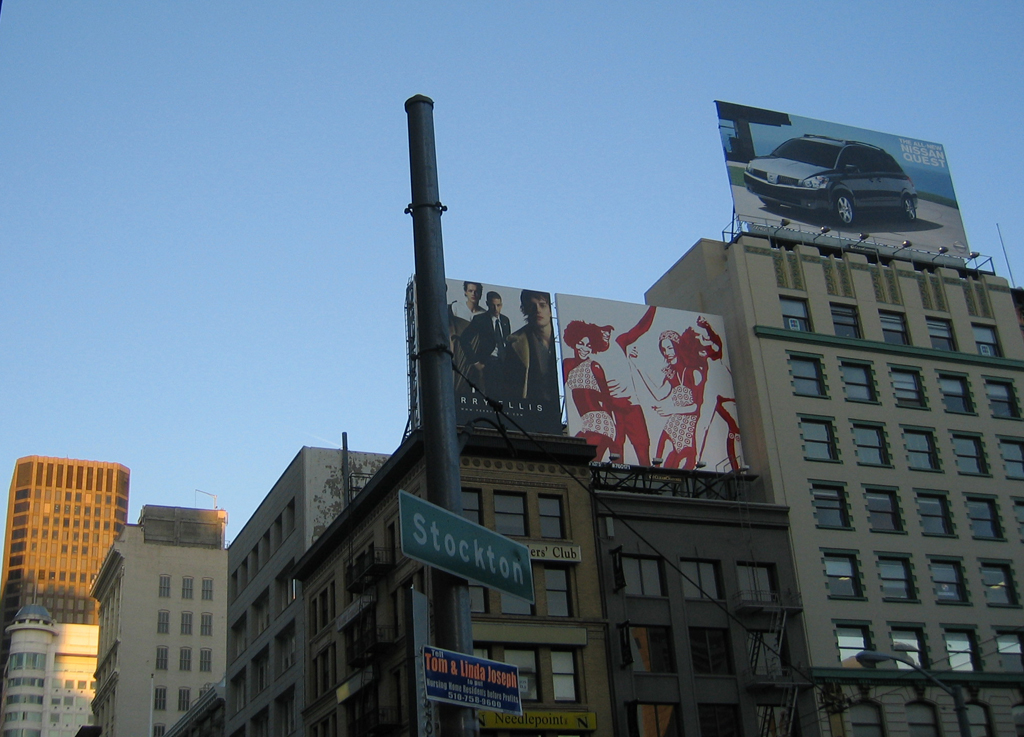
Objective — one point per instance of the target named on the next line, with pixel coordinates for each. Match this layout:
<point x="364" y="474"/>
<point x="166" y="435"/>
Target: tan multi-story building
<point x="878" y="393"/>
<point x="62" y="515"/>
<point x="267" y="616"/>
<point x="163" y="609"/>
<point x="49" y="679"/>
<point x="355" y="578"/>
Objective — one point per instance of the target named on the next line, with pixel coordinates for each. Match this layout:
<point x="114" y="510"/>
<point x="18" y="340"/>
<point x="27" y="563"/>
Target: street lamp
<point x="873" y="657"/>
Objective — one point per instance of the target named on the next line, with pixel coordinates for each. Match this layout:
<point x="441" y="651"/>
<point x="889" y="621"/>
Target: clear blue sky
<point x="203" y="253"/>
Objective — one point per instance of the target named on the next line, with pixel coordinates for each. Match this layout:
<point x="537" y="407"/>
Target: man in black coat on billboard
<point x="486" y="339"/>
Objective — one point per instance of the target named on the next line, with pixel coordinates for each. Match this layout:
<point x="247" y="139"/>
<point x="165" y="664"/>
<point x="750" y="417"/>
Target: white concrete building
<point x="163" y="610"/>
<point x="49" y="680"/>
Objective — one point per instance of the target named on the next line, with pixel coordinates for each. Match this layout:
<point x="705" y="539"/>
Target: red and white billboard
<point x="648" y="385"/>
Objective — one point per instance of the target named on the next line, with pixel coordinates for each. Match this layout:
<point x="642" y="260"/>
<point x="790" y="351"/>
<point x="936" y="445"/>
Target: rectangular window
<point x="1018" y="511"/>
<point x="956" y="397"/>
<point x="819" y="440"/>
<point x="851" y="639"/>
<point x="185" y="658"/>
<point x="1002" y="399"/>
<point x="970" y="458"/>
<point x="650" y="649"/>
<point x="206" y="624"/>
<point x="477" y="599"/>
<point x="986" y="340"/>
<point x="844" y="320"/>
<point x="510" y="514"/>
<point x="206" y="660"/>
<point x="186" y="587"/>
<point x="186" y="623"/>
<point x="208" y="589"/>
<point x="163" y="622"/>
<point x="909" y="641"/>
<point x="550" y="508"/>
<point x="961" y="649"/>
<point x="700" y="579"/>
<point x="654" y="720"/>
<point x="860" y="386"/>
<point x="830" y="506"/>
<point x="934" y="511"/>
<point x="794" y="314"/>
<point x="883" y="511"/>
<point x="184" y="699"/>
<point x="556" y="581"/>
<point x="984" y="519"/>
<point x="921" y="452"/>
<point x="1010" y="646"/>
<point x="906" y="385"/>
<point x="719" y="720"/>
<point x="160" y="698"/>
<point x="870" y="442"/>
<point x="709" y="651"/>
<point x="843" y="579"/>
<point x="940" y="332"/>
<point x="998" y="584"/>
<point x="471" y="505"/>
<point x="514" y="605"/>
<point x="159" y="730"/>
<point x="526" y="660"/>
<point x="1012" y="452"/>
<point x="897" y="582"/>
<point x="161" y="658"/>
<point x="643" y="576"/>
<point x="563" y="675"/>
<point x="165" y="587"/>
<point x="807" y="376"/>
<point x="948" y="579"/>
<point x="756" y="581"/>
<point x="894" y="328"/>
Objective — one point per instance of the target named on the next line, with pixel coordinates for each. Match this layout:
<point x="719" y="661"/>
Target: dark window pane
<point x="830" y="506"/>
<point x="894" y="328"/>
<point x="794" y="314"/>
<point x="510" y="514"/>
<point x="955" y="395"/>
<point x="807" y="377"/>
<point x="859" y="385"/>
<point x="941" y="334"/>
<point x="883" y="513"/>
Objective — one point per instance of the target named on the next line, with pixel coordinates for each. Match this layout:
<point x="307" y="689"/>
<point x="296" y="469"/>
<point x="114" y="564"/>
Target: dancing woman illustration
<point x="587" y="385"/>
<point x="681" y="384"/>
<point x="724" y="408"/>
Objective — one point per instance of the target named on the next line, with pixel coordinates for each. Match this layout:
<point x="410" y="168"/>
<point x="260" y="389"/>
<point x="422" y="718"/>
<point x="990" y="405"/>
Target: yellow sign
<point x="582" y="720"/>
<point x="561" y="553"/>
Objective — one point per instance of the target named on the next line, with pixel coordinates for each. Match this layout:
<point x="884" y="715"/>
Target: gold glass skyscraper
<point x="62" y="516"/>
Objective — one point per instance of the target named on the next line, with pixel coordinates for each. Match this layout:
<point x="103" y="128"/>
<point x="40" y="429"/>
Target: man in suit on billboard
<point x="486" y="339"/>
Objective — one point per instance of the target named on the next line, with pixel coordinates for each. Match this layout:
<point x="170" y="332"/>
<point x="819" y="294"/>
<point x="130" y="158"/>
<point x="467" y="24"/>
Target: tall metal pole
<point x="450" y="595"/>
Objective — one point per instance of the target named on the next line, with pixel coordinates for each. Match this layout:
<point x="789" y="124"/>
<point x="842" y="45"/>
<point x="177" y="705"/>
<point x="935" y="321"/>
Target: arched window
<point x="978" y="717"/>
<point x="921" y="721"/>
<point x="866" y="720"/>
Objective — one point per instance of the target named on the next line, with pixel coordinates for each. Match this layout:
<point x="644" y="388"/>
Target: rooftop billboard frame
<point x="815" y="174"/>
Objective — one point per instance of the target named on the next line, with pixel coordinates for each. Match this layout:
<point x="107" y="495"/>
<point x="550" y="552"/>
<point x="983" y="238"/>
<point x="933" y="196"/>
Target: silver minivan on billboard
<point x="808" y="174"/>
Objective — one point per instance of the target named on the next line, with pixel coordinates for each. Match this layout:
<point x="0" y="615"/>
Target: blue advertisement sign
<point x="816" y="174"/>
<point x="455" y="678"/>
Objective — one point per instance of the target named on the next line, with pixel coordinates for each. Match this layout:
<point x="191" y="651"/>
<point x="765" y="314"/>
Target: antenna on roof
<point x="200" y="491"/>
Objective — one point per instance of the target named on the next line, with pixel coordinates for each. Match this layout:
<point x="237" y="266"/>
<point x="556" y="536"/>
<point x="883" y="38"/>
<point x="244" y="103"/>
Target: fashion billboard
<point x="651" y="385"/>
<point x="817" y="174"/>
<point x="503" y="348"/>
